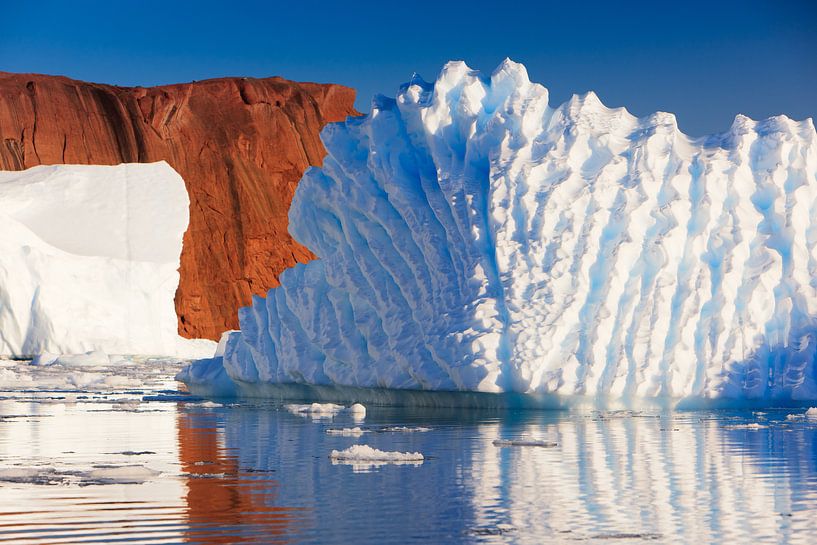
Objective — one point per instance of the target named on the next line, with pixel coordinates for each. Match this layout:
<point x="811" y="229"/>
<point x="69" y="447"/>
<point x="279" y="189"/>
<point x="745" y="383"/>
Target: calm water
<point x="91" y="461"/>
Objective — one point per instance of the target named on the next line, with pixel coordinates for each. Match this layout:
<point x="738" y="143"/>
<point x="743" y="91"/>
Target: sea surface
<point x="122" y="454"/>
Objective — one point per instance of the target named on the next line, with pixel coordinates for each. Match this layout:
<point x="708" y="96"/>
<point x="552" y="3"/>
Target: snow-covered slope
<point x="473" y="238"/>
<point x="89" y="258"/>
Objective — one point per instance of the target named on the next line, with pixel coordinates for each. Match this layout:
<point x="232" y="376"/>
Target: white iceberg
<point x="474" y="239"/>
<point x="89" y="259"/>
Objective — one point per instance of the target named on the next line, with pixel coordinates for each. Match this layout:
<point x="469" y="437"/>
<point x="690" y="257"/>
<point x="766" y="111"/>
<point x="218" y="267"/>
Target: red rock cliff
<point x="241" y="145"/>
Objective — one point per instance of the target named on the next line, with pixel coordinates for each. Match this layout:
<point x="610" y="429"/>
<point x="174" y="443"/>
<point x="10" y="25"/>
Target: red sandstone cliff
<point x="241" y="145"/>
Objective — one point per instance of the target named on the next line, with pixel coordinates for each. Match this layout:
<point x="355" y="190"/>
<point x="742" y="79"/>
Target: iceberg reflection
<point x="691" y="477"/>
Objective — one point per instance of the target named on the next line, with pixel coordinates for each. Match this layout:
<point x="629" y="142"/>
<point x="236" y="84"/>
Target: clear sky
<point x="703" y="60"/>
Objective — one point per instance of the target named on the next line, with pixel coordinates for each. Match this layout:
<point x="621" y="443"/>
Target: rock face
<point x="241" y="145"/>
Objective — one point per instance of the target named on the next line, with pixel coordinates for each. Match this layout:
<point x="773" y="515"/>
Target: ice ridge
<point x="473" y="238"/>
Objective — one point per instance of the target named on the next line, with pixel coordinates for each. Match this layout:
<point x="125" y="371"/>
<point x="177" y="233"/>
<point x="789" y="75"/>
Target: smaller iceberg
<point x="89" y="259"/>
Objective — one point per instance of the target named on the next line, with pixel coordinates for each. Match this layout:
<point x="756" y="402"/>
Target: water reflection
<point x="254" y="473"/>
<point x="225" y="503"/>
<point x="627" y="476"/>
<point x="652" y="477"/>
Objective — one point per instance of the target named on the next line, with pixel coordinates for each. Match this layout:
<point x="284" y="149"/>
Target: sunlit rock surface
<point x="472" y="238"/>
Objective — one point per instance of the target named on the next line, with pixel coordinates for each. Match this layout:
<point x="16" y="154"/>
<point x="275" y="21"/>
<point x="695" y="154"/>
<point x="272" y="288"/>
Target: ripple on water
<point x="149" y="463"/>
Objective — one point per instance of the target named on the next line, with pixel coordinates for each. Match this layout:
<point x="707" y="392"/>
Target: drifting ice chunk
<point x="472" y="238"/>
<point x="405" y="429"/>
<point x="346" y="432"/>
<point x="811" y="413"/>
<point x="123" y="474"/>
<point x="132" y="474"/>
<point x="327" y="410"/>
<point x="750" y="426"/>
<point x="94" y="358"/>
<point x="524" y="443"/>
<point x="315" y="409"/>
<point x="89" y="259"/>
<point x="365" y="453"/>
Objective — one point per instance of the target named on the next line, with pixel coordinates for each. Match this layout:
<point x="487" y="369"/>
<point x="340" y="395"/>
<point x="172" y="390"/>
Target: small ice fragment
<point x="524" y="443"/>
<point x="365" y="453"/>
<point x="346" y="432"/>
<point x="322" y="409"/>
<point x="357" y="410"/>
<point x="46" y="358"/>
<point x="123" y="474"/>
<point x="94" y="358"/>
<point x="405" y="429"/>
<point x="750" y="426"/>
<point x="811" y="413"/>
<point x="18" y="474"/>
<point x="326" y="410"/>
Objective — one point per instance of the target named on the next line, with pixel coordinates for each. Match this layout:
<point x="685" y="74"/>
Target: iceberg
<point x="89" y="259"/>
<point x="472" y="238"/>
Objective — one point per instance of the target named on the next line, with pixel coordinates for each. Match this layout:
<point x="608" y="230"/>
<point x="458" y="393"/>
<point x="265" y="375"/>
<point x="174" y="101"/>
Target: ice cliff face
<point x="89" y="259"/>
<point x="474" y="238"/>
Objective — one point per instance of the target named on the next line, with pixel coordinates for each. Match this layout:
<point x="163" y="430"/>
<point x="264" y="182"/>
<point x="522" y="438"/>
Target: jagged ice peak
<point x="472" y="238"/>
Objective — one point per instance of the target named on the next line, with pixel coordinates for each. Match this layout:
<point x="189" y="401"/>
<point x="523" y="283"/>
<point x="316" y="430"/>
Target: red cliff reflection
<point x="227" y="504"/>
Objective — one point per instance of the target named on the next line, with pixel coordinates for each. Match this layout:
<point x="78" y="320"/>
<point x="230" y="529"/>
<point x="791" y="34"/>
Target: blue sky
<point x="704" y="61"/>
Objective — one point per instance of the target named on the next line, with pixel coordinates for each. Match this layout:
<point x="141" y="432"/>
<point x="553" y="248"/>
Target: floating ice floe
<point x="116" y="383"/>
<point x="364" y="454"/>
<point x="810" y="414"/>
<point x="123" y="474"/>
<point x="346" y="432"/>
<point x="524" y="443"/>
<point x="750" y="426"/>
<point x="326" y="410"/>
<point x="207" y="405"/>
<point x="128" y="474"/>
<point x="405" y="429"/>
<point x="93" y="358"/>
